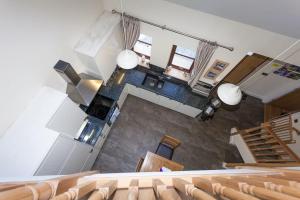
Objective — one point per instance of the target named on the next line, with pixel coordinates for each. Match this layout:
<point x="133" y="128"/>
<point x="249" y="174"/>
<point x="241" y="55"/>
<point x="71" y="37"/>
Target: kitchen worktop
<point x="172" y="88"/>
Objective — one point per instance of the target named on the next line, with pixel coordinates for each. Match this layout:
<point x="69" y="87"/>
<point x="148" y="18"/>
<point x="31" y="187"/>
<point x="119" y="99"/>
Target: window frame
<point x="173" y="53"/>
<point x="140" y="54"/>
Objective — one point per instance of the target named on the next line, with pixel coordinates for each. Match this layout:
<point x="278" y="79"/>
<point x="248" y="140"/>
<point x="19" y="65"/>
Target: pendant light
<point x="127" y="59"/>
<point x="230" y="94"/>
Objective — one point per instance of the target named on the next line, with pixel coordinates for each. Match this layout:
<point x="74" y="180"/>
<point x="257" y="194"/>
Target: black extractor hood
<point x="80" y="89"/>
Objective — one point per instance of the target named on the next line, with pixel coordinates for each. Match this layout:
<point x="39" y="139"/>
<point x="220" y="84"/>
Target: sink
<point x="153" y="81"/>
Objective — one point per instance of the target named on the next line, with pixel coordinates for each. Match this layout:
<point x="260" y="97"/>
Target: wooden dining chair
<point x="166" y="146"/>
<point x="139" y="165"/>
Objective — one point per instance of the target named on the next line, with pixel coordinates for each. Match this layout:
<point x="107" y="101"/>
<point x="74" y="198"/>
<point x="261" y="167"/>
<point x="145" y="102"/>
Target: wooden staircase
<point x="236" y="184"/>
<point x="268" y="147"/>
<point x="267" y="143"/>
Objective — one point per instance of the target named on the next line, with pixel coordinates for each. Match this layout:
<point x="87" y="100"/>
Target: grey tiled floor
<point x="205" y="145"/>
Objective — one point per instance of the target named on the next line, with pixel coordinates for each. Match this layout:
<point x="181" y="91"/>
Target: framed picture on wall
<point x="211" y="75"/>
<point x="289" y="71"/>
<point x="216" y="69"/>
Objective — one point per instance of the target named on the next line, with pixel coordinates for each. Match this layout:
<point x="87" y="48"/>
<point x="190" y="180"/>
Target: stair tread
<point x="270" y="154"/>
<point x="263" y="143"/>
<point x="260" y="138"/>
<point x="274" y="161"/>
<point x="257" y="134"/>
<point x="266" y="148"/>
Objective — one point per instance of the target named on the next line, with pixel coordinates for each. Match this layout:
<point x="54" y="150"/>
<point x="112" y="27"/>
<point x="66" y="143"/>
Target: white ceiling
<point x="280" y="16"/>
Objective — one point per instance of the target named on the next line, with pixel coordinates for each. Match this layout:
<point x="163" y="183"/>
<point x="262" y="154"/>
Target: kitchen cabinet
<point x="55" y="158"/>
<point x="133" y="90"/>
<point x="189" y="110"/>
<point x="123" y="96"/>
<point x="103" y="136"/>
<point x="95" y="151"/>
<point x="99" y="47"/>
<point x="93" y="154"/>
<point x="148" y="95"/>
<point x="66" y="156"/>
<point x="70" y="110"/>
<point x="169" y="103"/>
<point x="76" y="159"/>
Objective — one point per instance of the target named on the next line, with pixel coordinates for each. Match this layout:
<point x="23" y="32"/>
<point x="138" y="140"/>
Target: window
<point x="182" y="58"/>
<point x="143" y="46"/>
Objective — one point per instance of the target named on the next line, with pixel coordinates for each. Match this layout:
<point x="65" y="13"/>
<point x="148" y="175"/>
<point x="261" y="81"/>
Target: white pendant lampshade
<point x="230" y="94"/>
<point x="127" y="59"/>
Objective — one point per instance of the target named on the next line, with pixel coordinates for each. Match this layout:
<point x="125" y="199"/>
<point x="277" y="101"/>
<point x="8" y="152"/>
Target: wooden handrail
<point x="254" y="184"/>
<point x="252" y="189"/>
<point x="272" y="165"/>
<point x="36" y="191"/>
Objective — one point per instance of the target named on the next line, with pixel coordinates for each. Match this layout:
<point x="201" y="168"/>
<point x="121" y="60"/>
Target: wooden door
<point x="289" y="102"/>
<point x="244" y="68"/>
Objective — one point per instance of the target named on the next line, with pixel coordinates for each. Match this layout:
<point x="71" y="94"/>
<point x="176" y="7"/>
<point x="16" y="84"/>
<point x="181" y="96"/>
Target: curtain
<point x="204" y="53"/>
<point x="132" y="31"/>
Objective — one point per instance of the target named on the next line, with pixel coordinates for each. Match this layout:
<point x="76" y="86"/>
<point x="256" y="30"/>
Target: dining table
<point x="154" y="163"/>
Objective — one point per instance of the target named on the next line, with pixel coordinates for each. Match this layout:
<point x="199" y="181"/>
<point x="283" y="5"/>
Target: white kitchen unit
<point x="98" y="49"/>
<point x="169" y="103"/>
<point x="102" y="137"/>
<point x="188" y="110"/>
<point x="157" y="99"/>
<point x="93" y="153"/>
<point x="71" y="111"/>
<point x="27" y="142"/>
<point x="56" y="157"/>
<point x="123" y="96"/>
<point x="68" y="156"/>
<point x="31" y="147"/>
<point x="133" y="90"/>
<point x="148" y="95"/>
<point x="76" y="159"/>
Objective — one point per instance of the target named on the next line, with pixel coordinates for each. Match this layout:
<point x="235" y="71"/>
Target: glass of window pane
<point x="145" y="38"/>
<point x="142" y="48"/>
<point x="182" y="61"/>
<point x="185" y="52"/>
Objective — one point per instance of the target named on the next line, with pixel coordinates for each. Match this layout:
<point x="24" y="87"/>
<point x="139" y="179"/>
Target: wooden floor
<point x="205" y="145"/>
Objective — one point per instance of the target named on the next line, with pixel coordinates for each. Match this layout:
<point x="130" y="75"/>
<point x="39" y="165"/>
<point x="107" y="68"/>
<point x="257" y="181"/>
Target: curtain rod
<point x="164" y="27"/>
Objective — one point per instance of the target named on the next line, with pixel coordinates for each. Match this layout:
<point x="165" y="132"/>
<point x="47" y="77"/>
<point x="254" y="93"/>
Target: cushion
<point x="164" y="151"/>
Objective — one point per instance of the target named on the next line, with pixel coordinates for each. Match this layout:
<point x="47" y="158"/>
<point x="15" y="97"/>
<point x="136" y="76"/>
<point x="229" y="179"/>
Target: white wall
<point x="34" y="35"/>
<point x="242" y="37"/>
